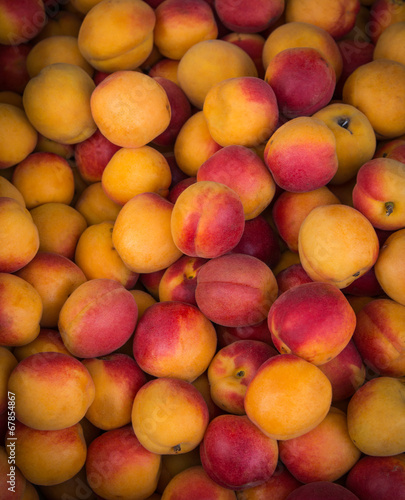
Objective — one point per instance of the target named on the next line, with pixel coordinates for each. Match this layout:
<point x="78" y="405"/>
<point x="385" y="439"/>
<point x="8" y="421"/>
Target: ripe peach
<point x="337" y="244"/>
<point x="117" y="35"/>
<point x="193" y="482"/>
<point x="45" y="373"/>
<point x="19" y="238"/>
<point x="378" y="404"/>
<point x="319" y="490"/>
<point x="132" y="171"/>
<point x="207" y="220"/>
<point x="16" y="146"/>
<point x="312" y="320"/>
<point x="259" y="240"/>
<point x="142" y="234"/>
<point x="130" y="108"/>
<point x="236" y="454"/>
<point x="44" y="178"/>
<point x="95" y="205"/>
<point x="302" y="79"/>
<point x="118" y="466"/>
<point x="390" y="265"/>
<point x="252" y="111"/>
<point x="92" y="155"/>
<point x="346" y="372"/>
<point x="209" y="62"/>
<point x="179" y="280"/>
<point x="8" y="363"/>
<point x="252" y="44"/>
<point x="301" y="154"/>
<point x="59" y="227"/>
<point x="377" y="89"/>
<point x="20" y="312"/>
<point x="232" y="166"/>
<point x="180" y="24"/>
<point x="54" y="277"/>
<point x="47" y="457"/>
<point x="290" y="209"/>
<point x="235" y="290"/>
<point x="248" y="17"/>
<point x="379" y="192"/>
<point x="48" y="340"/>
<point x="97" y="318"/>
<point x="288" y="397"/>
<point x="194" y="144"/>
<point x="302" y="34"/>
<point x="373" y="478"/>
<point x="174" y="339"/>
<point x="355" y="138"/>
<point x="180" y="112"/>
<point x="231" y="370"/>
<point x="57" y="103"/>
<point x="309" y="462"/>
<point x="21" y="21"/>
<point x="56" y="49"/>
<point x="97" y="257"/>
<point x="117" y="379"/>
<point x="378" y="337"/>
<point x="169" y="416"/>
<point x="337" y="19"/>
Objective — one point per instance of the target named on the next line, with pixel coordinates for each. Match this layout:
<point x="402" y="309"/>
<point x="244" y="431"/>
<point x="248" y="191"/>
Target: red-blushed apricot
<point x="20" y="310"/>
<point x="235" y="279"/>
<point x="132" y="171"/>
<point x="59" y="454"/>
<point x="252" y="44"/>
<point x="384" y="13"/>
<point x="45" y="373"/>
<point x="313" y="320"/>
<point x="142" y="234"/>
<point x="18" y="138"/>
<point x="288" y="397"/>
<point x="117" y="35"/>
<point x="21" y="21"/>
<point x="169" y="416"/>
<point x="44" y="178"/>
<point x="247" y="16"/>
<point x="97" y="318"/>
<point x="130" y="108"/>
<point x="241" y="111"/>
<point x="207" y="220"/>
<point x="301" y="154"/>
<point x="165" y="68"/>
<point x="57" y="103"/>
<point x="19" y="238"/>
<point x="95" y="205"/>
<point x="209" y="62"/>
<point x="174" y="339"/>
<point x="337" y="244"/>
<point x="118" y="466"/>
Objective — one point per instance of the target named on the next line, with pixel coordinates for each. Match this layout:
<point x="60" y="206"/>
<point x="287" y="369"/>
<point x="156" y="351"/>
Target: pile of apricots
<point x="202" y="250"/>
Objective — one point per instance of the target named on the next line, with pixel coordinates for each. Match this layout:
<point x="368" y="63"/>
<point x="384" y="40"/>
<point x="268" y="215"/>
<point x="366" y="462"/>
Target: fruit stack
<point x="202" y="249"/>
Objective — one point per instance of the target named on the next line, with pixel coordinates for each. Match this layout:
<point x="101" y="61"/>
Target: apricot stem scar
<point x="389" y="208"/>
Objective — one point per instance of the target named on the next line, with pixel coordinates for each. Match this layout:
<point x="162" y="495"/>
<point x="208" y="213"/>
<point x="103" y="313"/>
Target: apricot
<point x="194" y="144"/>
<point x="130" y="108"/>
<point x="48" y="340"/>
<point x="56" y="49"/>
<point x="133" y="171"/>
<point x="19" y="238"/>
<point x="207" y="220"/>
<point x="378" y="90"/>
<point x="174" y="339"/>
<point x="142" y="235"/>
<point x="95" y="205"/>
<point x="169" y="416"/>
<point x="10" y="97"/>
<point x="18" y="138"/>
<point x="97" y="318"/>
<point x="209" y="62"/>
<point x="8" y="363"/>
<point x="45" y="373"/>
<point x="143" y="300"/>
<point x="117" y="35"/>
<point x="57" y="103"/>
<point x="60" y="22"/>
<point x="20" y="311"/>
<point x="337" y="244"/>
<point x="247" y="16"/>
<point x="288" y="397"/>
<point x="252" y="43"/>
<point x="165" y="68"/>
<point x="21" y="22"/>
